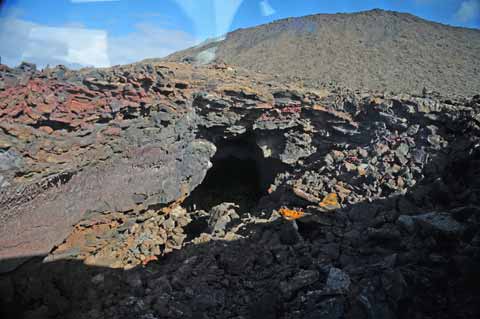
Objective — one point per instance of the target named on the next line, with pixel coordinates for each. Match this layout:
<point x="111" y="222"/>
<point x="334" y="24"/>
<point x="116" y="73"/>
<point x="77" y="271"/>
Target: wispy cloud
<point x="468" y="11"/>
<point x="266" y="8"/>
<point x="76" y="46"/>
<point x="147" y="41"/>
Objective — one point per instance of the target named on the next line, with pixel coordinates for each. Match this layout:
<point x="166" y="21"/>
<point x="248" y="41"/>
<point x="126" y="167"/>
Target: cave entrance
<point x="240" y="174"/>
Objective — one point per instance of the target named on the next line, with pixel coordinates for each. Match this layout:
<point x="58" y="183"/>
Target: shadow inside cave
<point x="240" y="174"/>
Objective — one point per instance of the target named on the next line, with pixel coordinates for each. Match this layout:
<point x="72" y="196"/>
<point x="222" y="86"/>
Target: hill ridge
<point x="375" y="49"/>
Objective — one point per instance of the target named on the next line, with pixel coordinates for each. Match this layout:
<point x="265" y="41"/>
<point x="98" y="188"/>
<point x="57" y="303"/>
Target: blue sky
<point x="108" y="32"/>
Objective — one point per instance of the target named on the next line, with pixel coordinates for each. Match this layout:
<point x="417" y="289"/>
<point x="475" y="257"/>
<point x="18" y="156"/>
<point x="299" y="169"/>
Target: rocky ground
<point x="376" y="49"/>
<point x="163" y="190"/>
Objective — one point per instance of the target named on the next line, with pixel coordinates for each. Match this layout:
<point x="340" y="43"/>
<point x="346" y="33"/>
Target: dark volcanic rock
<point x="311" y="203"/>
<point x="152" y="171"/>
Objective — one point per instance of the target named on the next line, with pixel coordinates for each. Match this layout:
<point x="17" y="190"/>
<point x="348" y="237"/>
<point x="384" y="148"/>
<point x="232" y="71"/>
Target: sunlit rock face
<point x="187" y="170"/>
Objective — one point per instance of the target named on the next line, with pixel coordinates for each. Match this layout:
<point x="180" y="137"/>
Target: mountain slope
<point x="380" y="50"/>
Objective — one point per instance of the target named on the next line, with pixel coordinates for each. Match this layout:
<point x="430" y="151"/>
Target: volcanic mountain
<point x="378" y="50"/>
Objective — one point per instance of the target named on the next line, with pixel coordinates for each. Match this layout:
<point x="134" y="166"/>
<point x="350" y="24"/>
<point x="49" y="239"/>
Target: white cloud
<point x="147" y="41"/>
<point x="26" y="41"/>
<point x="76" y="47"/>
<point x="468" y="11"/>
<point x="266" y="8"/>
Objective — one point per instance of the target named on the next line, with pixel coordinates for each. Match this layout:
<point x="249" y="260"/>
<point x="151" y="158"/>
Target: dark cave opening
<point x="240" y="174"/>
<point x="229" y="180"/>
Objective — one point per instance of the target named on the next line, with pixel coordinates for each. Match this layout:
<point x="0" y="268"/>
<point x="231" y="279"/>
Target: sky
<point x="102" y="33"/>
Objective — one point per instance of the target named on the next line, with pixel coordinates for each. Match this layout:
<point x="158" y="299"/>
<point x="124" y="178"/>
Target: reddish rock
<point x="45" y="108"/>
<point x="46" y="129"/>
<point x="61" y="119"/>
<point x="32" y="113"/>
<point x="112" y="131"/>
<point x="79" y="107"/>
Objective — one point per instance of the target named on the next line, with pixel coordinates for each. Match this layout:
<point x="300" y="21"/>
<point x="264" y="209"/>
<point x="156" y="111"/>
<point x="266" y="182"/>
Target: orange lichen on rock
<point x="148" y="259"/>
<point x="291" y="214"/>
<point x="330" y="202"/>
